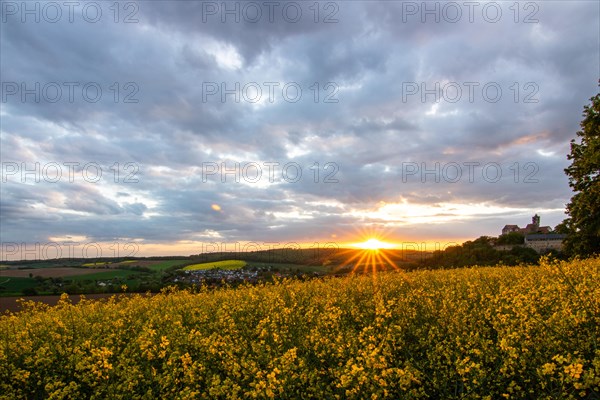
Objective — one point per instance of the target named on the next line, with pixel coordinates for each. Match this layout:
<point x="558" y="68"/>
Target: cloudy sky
<point x="170" y="126"/>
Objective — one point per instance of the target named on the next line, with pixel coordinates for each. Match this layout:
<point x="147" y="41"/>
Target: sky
<point x="179" y="127"/>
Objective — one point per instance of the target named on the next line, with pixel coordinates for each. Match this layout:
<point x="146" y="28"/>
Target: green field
<point x="15" y="286"/>
<point x="166" y="265"/>
<point x="228" y="264"/>
<point x="125" y="272"/>
<point x="106" y="275"/>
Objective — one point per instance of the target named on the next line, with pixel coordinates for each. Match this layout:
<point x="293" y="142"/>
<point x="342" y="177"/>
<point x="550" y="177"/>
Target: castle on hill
<point x="539" y="238"/>
<point x="533" y="227"/>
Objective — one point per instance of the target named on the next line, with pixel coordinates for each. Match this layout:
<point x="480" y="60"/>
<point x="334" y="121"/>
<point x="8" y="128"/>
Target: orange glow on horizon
<point x="374" y="244"/>
<point x="372" y="254"/>
<point x="370" y="259"/>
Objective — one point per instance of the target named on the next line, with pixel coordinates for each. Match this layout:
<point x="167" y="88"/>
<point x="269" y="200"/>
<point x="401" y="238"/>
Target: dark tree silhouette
<point x="583" y="224"/>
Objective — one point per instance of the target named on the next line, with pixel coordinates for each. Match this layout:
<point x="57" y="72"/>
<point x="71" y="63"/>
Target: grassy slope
<point x="105" y="275"/>
<point x="15" y="286"/>
<point x="167" y="264"/>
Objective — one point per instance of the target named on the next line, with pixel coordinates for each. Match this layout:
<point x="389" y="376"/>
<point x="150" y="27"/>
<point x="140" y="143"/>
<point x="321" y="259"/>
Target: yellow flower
<point x="548" y="368"/>
<point x="574" y="370"/>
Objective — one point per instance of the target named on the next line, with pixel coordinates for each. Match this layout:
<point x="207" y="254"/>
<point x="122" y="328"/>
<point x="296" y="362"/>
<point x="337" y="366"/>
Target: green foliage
<point x="520" y="255"/>
<point x="105" y="275"/>
<point x="583" y="226"/>
<point x="480" y="252"/>
<point x="511" y="238"/>
<point x="16" y="286"/>
<point x="167" y="265"/>
<point x="311" y="256"/>
<point x="30" y="292"/>
<point x="563" y="227"/>
<point x="287" y="267"/>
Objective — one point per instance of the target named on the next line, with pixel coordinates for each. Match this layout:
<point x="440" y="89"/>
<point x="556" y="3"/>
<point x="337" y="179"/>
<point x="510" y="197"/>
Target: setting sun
<point x="374" y="244"/>
<point x="371" y="256"/>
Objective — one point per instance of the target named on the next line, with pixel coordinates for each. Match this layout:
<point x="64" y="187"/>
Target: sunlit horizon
<point x="374" y="244"/>
<point x="62" y="248"/>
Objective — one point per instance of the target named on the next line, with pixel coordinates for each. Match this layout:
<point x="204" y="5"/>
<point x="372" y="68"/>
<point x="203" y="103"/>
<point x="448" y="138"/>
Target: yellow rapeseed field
<point x="228" y="264"/>
<point x="493" y="333"/>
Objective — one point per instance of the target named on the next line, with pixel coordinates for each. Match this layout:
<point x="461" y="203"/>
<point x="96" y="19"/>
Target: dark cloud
<point x="357" y="132"/>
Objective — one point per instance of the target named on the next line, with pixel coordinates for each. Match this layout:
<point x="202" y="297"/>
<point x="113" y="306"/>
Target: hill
<point x="319" y="256"/>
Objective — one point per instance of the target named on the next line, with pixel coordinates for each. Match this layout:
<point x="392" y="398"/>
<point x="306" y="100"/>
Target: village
<point x="207" y="276"/>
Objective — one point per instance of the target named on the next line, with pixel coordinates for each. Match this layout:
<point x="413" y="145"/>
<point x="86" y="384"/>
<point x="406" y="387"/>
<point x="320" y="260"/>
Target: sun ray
<point x="371" y="255"/>
<point x="387" y="259"/>
<point x="347" y="262"/>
